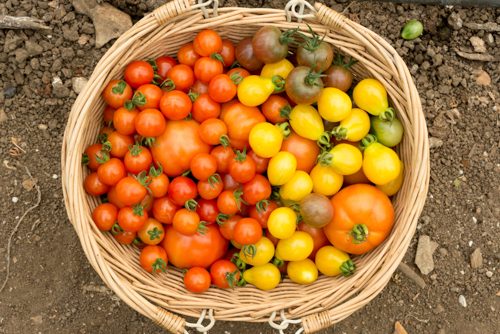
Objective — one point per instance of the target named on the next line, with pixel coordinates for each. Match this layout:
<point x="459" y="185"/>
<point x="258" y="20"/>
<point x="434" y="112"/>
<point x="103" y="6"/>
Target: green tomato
<point x="388" y="132"/>
<point x="412" y="29"/>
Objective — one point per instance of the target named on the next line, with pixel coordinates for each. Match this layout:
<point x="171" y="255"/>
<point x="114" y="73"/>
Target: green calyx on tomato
<point x="339" y="132"/>
<point x="202" y="227"/>
<point x="119" y="88"/>
<point x="279" y="83"/>
<point x="138" y="100"/>
<point x="138" y="210"/>
<point x="287" y="36"/>
<point x="232" y="278"/>
<point x="167" y="85"/>
<point x="241" y="155"/>
<point x="218" y="57"/>
<point x="367" y="141"/>
<point x="155" y="172"/>
<point x="324" y="141"/>
<point x="213" y="180"/>
<point x="236" y="78"/>
<point x="224" y="141"/>
<point x="240" y="264"/>
<point x="159" y="265"/>
<point x="116" y="229"/>
<point x="143" y="179"/>
<point x="387" y="115"/>
<point x="359" y="233"/>
<point x="191" y="204"/>
<point x="249" y="251"/>
<point x="135" y="150"/>
<point x="193" y="95"/>
<point x="285" y="129"/>
<point x="339" y="61"/>
<point x="262" y="205"/>
<point x="155" y="233"/>
<point x="285" y="111"/>
<point x="221" y="218"/>
<point x="347" y="268"/>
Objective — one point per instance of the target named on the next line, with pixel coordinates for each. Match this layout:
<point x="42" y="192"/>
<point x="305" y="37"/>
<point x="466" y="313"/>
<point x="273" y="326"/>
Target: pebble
<point x="462" y="300"/>
<point x="435" y="142"/>
<point x="455" y="21"/>
<point x="411" y="274"/>
<point x="399" y="329"/>
<point x="78" y="83"/>
<point x="33" y="48"/>
<point x="58" y="88"/>
<point x="439" y="309"/>
<point x="483" y="78"/>
<point x="3" y="115"/>
<point x="489" y="274"/>
<point x="21" y="55"/>
<point x="42" y="126"/>
<point x="476" y="259"/>
<point x="9" y="92"/>
<point x="15" y="199"/>
<point x="37" y="320"/>
<point x="423" y="258"/>
<point x="478" y="44"/>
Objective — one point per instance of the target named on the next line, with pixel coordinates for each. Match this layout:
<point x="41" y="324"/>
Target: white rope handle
<point x="284" y="323"/>
<point x="199" y="326"/>
<point x="296" y="8"/>
<point x="203" y="4"/>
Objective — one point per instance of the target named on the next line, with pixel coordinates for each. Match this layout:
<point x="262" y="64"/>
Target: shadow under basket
<point x="163" y="297"/>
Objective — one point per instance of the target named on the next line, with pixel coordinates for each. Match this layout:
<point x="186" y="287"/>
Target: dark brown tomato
<point x="303" y="86"/>
<point x="338" y="76"/>
<point x="270" y="45"/>
<point x="245" y="55"/>
<point x="317" y="55"/>
<point x="316" y="210"/>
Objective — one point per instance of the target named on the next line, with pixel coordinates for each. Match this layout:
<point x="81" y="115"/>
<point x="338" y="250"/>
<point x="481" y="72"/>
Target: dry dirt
<point x="53" y="289"/>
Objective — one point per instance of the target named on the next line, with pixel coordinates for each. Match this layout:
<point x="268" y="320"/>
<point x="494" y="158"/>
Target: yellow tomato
<point x="345" y="159"/>
<point x="265" y="139"/>
<point x="264" y="252"/>
<point x="254" y="90"/>
<point x="281" y="168"/>
<point x="354" y="127"/>
<point x="331" y="261"/>
<point x="325" y="180"/>
<point x="282" y="223"/>
<point x="380" y="164"/>
<point x="334" y="105"/>
<point x="371" y="96"/>
<point x="295" y="248"/>
<point x="265" y="277"/>
<point x="306" y="122"/>
<point x="302" y="272"/>
<point x="281" y="68"/>
<point x="298" y="187"/>
<point x="393" y="187"/>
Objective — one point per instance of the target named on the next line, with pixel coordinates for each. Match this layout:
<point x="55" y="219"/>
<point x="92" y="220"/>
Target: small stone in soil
<point x="78" y="84"/>
<point x="462" y="300"/>
<point x="483" y="78"/>
<point x="9" y="92"/>
<point x="455" y="21"/>
<point x="489" y="274"/>
<point x="478" y="44"/>
<point x="476" y="259"/>
<point x="423" y="258"/>
<point x="435" y="142"/>
<point x="399" y="329"/>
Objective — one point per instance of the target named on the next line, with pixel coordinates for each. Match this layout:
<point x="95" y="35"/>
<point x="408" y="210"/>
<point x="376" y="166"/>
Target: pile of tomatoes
<point x="245" y="163"/>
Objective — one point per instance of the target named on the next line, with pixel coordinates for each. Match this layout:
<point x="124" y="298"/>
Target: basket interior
<point x="247" y="303"/>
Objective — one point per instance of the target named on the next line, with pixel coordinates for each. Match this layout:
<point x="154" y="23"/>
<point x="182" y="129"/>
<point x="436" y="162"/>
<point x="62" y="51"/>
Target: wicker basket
<point x="316" y="306"/>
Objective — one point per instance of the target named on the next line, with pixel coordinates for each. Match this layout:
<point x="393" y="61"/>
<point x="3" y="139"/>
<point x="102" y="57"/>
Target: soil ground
<point x="53" y="289"/>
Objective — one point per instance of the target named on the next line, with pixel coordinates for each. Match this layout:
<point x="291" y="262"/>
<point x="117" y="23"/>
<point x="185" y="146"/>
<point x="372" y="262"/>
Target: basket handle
<point x="177" y="7"/>
<point x="324" y="14"/>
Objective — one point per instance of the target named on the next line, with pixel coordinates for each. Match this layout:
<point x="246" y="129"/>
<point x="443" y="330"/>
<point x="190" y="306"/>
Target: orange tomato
<point x="305" y="150"/>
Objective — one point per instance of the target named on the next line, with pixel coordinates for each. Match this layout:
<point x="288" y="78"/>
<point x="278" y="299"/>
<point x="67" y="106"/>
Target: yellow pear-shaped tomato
<point x="306" y="122"/>
<point x="381" y="164"/>
<point x="254" y="90"/>
<point x="281" y="68"/>
<point x="263" y="252"/>
<point x="281" y="168"/>
<point x="393" y="187"/>
<point x="371" y="96"/>
<point x="265" y="139"/>
<point x="302" y="272"/>
<point x="334" y="105"/>
<point x="354" y="127"/>
<point x="332" y="262"/>
<point x="296" y="248"/>
<point x="265" y="277"/>
<point x="282" y="222"/>
<point x="298" y="187"/>
<point x="345" y="159"/>
<point x="325" y="180"/>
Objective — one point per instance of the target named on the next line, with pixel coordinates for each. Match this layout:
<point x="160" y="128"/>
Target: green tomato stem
<point x="359" y="233"/>
<point x="347" y="268"/>
<point x="367" y="141"/>
<point x="339" y="132"/>
<point x="387" y="115"/>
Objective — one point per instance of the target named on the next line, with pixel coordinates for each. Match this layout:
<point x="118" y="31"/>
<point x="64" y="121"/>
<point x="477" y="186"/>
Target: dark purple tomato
<point x="303" y="86"/>
<point x="338" y="76"/>
<point x="316" y="54"/>
<point x="270" y="45"/>
<point x="246" y="57"/>
<point x="316" y="210"/>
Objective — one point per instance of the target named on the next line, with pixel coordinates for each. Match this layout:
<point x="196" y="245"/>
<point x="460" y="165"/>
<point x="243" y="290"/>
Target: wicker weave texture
<point x="320" y="304"/>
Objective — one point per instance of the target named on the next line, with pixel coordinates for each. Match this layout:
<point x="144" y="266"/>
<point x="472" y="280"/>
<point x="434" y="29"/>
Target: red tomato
<point x="113" y="198"/>
<point x="227" y="226"/>
<point x="107" y="116"/>
<point x="187" y="55"/>
<point x="138" y="73"/>
<point x="152" y="232"/>
<point x="164" y="210"/>
<point x="119" y="144"/>
<point x="247" y="231"/>
<point x="237" y="74"/>
<point x="207" y="68"/>
<point x="211" y="188"/>
<point x="227" y="52"/>
<point x="187" y="222"/>
<point x="198" y="250"/>
<point x="242" y="168"/>
<point x="152" y="95"/>
<point x="224" y="156"/>
<point x="111" y="171"/>
<point x="276" y="109"/>
<point x="178" y="144"/>
<point x="150" y="123"/>
<point x="163" y="65"/>
<point x="213" y="131"/>
<point x="92" y="156"/>
<point x="175" y="105"/>
<point x="261" y="214"/>
<point x="240" y="119"/>
<point x="319" y="237"/>
<point x="207" y="42"/>
<point x="221" y="88"/>
<point x="199" y="87"/>
<point x="132" y="219"/>
<point x="256" y="190"/>
<point x="124" y="120"/>
<point x="203" y="165"/>
<point x="93" y="186"/>
<point x="197" y="280"/>
<point x="116" y="93"/>
<point x="182" y="189"/>
<point x="207" y="210"/>
<point x="158" y="182"/>
<point x="130" y="191"/>
<point x="205" y="108"/>
<point x="137" y="159"/>
<point x="260" y="163"/>
<point x="229" y="202"/>
<point x="179" y="77"/>
<point x="229" y="182"/>
<point x="153" y="259"/>
<point x="123" y="237"/>
<point x="104" y="216"/>
<point x="224" y="274"/>
<point x="305" y="150"/>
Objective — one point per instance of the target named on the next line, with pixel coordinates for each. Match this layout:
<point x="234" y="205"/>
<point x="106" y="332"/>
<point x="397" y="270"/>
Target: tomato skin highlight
<point x="93" y="186"/>
<point x="104" y="216"/>
<point x="164" y="210"/>
<point x="182" y="189"/>
<point x="138" y="72"/>
<point x="197" y="280"/>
